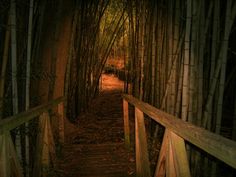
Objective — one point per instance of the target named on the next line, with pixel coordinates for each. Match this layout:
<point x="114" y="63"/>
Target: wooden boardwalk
<point x="97" y="148"/>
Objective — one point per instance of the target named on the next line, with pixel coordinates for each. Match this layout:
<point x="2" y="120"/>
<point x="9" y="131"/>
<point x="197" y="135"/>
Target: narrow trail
<point x="96" y="148"/>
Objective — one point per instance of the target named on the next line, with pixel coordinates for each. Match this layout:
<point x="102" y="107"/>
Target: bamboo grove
<point x="181" y="60"/>
<point x="94" y="34"/>
<point x="179" y="56"/>
<point x="51" y="49"/>
<point x="33" y="48"/>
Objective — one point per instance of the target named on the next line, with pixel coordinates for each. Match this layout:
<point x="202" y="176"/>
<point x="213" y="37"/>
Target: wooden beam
<point x="48" y="152"/>
<point x="16" y="120"/>
<point x="161" y="163"/>
<point x="180" y="155"/>
<point x="170" y="165"/>
<point x="216" y="145"/>
<point x="16" y="169"/>
<point x="142" y="160"/>
<point x="9" y="163"/>
<point x="39" y="147"/>
<point x="45" y="149"/>
<point x="4" y="158"/>
<point x="126" y="124"/>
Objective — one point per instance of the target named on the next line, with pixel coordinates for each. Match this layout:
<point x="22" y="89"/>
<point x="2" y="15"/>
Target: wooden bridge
<point x="111" y="158"/>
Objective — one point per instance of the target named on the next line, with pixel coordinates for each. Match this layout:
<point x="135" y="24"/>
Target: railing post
<point x="180" y="155"/>
<point x="61" y="121"/>
<point x="9" y="163"/>
<point x="142" y="160"/>
<point x="45" y="152"/>
<point x="126" y="124"/>
<point x="172" y="161"/>
<point x="4" y="159"/>
<point x="161" y="165"/>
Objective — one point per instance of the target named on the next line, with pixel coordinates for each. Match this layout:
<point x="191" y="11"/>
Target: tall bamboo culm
<point x="186" y="69"/>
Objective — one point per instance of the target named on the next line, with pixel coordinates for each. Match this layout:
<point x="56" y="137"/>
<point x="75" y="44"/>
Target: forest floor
<point x="95" y="147"/>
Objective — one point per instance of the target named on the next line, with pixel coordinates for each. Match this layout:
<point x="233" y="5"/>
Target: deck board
<point x="97" y="148"/>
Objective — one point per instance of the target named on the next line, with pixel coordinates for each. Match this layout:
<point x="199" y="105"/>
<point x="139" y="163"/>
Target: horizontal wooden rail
<point x="216" y="145"/>
<point x="45" y="146"/>
<point x="21" y="118"/>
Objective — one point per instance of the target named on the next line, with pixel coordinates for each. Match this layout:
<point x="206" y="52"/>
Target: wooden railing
<point x="172" y="159"/>
<point x="45" y="148"/>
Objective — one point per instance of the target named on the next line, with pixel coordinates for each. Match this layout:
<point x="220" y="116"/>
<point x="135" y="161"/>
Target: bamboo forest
<point x="117" y="88"/>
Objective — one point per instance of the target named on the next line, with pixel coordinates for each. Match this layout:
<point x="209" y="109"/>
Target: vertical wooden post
<point x="46" y="146"/>
<point x="39" y="148"/>
<point x="142" y="160"/>
<point x="173" y="161"/>
<point x="9" y="163"/>
<point x="45" y="152"/>
<point x="61" y="113"/>
<point x="4" y="159"/>
<point x="170" y="165"/>
<point x="180" y="155"/>
<point x="161" y="164"/>
<point x="126" y="124"/>
<point x="48" y="153"/>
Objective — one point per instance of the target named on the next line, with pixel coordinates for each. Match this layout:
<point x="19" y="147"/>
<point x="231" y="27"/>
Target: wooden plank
<point x="45" y="152"/>
<point x="9" y="163"/>
<point x="180" y="155"/>
<point x="126" y="124"/>
<point x="4" y="158"/>
<point x="48" y="151"/>
<point x="142" y="160"/>
<point x="50" y="144"/>
<point x="61" y="122"/>
<point x="170" y="165"/>
<point x="161" y="164"/>
<point x="16" y="169"/>
<point x="16" y="120"/>
<point x="39" y="147"/>
<point x="216" y="145"/>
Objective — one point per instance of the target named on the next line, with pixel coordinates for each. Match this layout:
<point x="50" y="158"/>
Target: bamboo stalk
<point x="192" y="85"/>
<point x="234" y="121"/>
<point x="141" y="52"/>
<point x="222" y="54"/>
<point x="4" y="66"/>
<point x="15" y="106"/>
<point x="185" y="95"/>
<point x="14" y="56"/>
<point x="223" y="65"/>
<point x="215" y="39"/>
<point x="153" y="56"/>
<point x="176" y="38"/>
<point x="28" y="67"/>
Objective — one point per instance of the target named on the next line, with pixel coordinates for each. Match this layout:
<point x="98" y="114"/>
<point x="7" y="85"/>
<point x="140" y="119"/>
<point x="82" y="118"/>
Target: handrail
<point x="45" y="146"/>
<point x="16" y="120"/>
<point x="216" y="145"/>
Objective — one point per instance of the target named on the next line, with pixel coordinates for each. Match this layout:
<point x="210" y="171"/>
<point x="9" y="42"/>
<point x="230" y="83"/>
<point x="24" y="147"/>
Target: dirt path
<point x="97" y="148"/>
